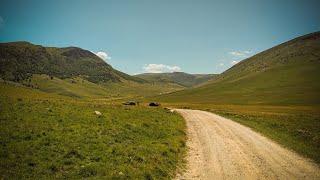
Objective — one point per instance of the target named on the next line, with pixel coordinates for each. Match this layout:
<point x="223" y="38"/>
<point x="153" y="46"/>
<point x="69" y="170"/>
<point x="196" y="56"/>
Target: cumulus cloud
<point x="160" y="68"/>
<point x="240" y="54"/>
<point x="103" y="55"/>
<point x="234" y="62"/>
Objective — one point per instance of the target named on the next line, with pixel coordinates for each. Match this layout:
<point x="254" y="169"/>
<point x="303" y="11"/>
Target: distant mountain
<point x="285" y="74"/>
<point x="72" y="72"/>
<point x="20" y="60"/>
<point x="181" y="78"/>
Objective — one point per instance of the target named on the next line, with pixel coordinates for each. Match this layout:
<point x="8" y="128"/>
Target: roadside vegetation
<point x="48" y="136"/>
<point x="295" y="127"/>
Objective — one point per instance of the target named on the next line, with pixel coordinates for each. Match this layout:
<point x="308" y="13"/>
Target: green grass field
<point x="83" y="89"/>
<point x="49" y="136"/>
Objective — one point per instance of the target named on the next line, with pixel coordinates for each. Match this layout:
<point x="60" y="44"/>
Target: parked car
<point x="154" y="104"/>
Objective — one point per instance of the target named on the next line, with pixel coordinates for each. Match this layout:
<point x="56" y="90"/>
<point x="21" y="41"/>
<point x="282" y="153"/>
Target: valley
<point x="49" y="96"/>
<point x="159" y="90"/>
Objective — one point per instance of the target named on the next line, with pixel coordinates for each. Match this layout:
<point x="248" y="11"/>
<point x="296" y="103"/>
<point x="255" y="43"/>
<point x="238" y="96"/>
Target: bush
<point x="87" y="171"/>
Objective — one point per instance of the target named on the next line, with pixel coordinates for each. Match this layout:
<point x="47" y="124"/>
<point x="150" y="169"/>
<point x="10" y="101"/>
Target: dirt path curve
<point x="223" y="149"/>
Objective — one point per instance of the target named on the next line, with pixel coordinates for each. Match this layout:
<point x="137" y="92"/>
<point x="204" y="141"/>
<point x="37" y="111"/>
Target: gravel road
<point x="220" y="148"/>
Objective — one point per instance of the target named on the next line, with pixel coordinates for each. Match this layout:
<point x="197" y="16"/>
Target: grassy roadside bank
<point x="45" y="136"/>
<point x="295" y="127"/>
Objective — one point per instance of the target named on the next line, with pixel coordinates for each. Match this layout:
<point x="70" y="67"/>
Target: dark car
<point x="154" y="104"/>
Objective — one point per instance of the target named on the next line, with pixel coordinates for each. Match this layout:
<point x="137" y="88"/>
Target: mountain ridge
<point x="185" y="79"/>
<point x="19" y="60"/>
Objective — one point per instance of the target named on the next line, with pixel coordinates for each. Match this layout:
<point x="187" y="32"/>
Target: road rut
<point x="220" y="148"/>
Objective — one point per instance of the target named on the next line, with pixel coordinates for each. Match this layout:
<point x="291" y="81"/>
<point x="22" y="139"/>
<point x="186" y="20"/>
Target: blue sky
<point x="203" y="36"/>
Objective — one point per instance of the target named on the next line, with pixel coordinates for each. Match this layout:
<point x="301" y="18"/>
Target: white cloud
<point x="234" y="62"/>
<point x="160" y="68"/>
<point x="221" y="64"/>
<point x="240" y="54"/>
<point x="103" y="55"/>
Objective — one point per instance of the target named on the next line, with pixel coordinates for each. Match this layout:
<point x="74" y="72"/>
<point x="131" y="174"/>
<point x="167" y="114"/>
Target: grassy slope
<point x="181" y="78"/>
<point x="50" y="136"/>
<point x="81" y="88"/>
<point x="75" y="87"/>
<point x="135" y="90"/>
<point x="276" y="93"/>
<point x="285" y="74"/>
<point x="290" y="84"/>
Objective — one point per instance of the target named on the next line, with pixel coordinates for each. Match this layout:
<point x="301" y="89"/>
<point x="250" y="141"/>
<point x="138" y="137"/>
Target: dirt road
<point x="223" y="149"/>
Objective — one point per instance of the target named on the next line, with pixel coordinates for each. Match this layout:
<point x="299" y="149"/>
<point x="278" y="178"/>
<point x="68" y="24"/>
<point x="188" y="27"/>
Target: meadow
<point x="82" y="89"/>
<point x="48" y="136"/>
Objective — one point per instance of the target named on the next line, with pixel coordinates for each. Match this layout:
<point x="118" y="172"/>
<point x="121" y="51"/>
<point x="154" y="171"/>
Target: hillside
<point x="285" y="74"/>
<point x="72" y="72"/>
<point x="62" y="118"/>
<point x="181" y="78"/>
<point x="20" y="60"/>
